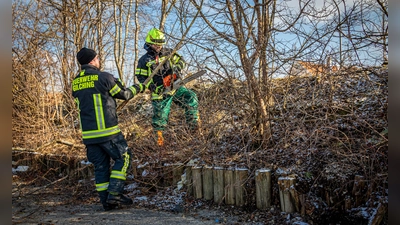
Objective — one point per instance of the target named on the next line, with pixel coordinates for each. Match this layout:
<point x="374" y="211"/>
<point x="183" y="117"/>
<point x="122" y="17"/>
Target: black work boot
<point x="108" y="207"/>
<point x="103" y="199"/>
<point x="119" y="199"/>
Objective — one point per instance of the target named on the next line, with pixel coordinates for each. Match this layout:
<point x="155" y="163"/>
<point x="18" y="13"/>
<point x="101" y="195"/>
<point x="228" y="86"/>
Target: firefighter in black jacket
<point x="162" y="100"/>
<point x="94" y="92"/>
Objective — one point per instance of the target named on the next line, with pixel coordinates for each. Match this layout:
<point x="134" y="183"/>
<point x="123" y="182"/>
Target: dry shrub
<point x="337" y="120"/>
<point x="326" y="130"/>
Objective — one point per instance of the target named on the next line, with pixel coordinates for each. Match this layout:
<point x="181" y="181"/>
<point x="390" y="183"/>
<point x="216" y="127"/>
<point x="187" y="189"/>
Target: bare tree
<point x="122" y="16"/>
<point x="30" y="89"/>
<point x="46" y="45"/>
<point x="237" y="41"/>
<point x="136" y="37"/>
<point x="166" y="7"/>
<point x="248" y="28"/>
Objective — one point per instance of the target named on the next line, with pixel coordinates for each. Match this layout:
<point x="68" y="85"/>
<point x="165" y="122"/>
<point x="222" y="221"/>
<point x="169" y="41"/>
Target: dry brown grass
<point x="326" y="130"/>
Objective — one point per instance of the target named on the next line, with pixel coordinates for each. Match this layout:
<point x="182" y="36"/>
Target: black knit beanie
<point x="85" y="55"/>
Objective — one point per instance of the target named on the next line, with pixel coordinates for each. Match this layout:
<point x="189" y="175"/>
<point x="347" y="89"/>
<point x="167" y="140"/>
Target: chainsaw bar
<point x="190" y="78"/>
<point x="177" y="84"/>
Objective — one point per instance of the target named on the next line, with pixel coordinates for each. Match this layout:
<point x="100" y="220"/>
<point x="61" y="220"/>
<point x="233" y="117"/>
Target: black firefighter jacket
<point x="149" y="61"/>
<point x="94" y="92"/>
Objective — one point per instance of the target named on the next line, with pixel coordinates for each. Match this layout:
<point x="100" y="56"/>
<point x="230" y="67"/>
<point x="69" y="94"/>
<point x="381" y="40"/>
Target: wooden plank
<point x="285" y="195"/>
<point x="229" y="186"/>
<point x="378" y="214"/>
<point x="208" y="188"/>
<point x="240" y="177"/>
<point x="218" y="181"/>
<point x="189" y="180"/>
<point x="359" y="190"/>
<point x="263" y="188"/>
<point x="197" y="182"/>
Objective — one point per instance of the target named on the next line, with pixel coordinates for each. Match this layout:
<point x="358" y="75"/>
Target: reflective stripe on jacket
<point x="94" y="92"/>
<point x="148" y="62"/>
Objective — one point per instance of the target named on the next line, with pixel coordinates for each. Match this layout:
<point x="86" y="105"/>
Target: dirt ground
<point x="54" y="207"/>
<point x="55" y="203"/>
<point x="92" y="214"/>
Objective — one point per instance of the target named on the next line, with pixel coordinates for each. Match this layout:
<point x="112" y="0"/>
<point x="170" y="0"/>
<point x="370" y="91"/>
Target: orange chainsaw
<point x="170" y="89"/>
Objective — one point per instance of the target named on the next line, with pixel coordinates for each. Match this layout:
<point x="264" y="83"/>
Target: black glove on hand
<point x="140" y="87"/>
<point x="153" y="87"/>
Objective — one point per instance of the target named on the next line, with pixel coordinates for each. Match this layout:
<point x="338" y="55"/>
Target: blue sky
<point x="284" y="41"/>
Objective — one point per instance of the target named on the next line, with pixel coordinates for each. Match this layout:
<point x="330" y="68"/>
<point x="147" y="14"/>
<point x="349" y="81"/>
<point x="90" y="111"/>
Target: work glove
<point x="140" y="87"/>
<point x="177" y="71"/>
<point x="118" y="79"/>
<point x="152" y="87"/>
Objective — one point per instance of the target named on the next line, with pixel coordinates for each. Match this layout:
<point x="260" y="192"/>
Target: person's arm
<point x="142" y="73"/>
<point x="119" y="91"/>
<point x="129" y="92"/>
<point x="178" y="62"/>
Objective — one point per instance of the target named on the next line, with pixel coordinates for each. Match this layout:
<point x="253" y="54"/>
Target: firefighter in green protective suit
<point x="162" y="80"/>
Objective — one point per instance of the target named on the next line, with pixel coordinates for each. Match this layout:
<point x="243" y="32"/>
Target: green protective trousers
<point x="184" y="98"/>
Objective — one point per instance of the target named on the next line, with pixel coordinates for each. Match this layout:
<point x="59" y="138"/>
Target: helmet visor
<point x="157" y="41"/>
